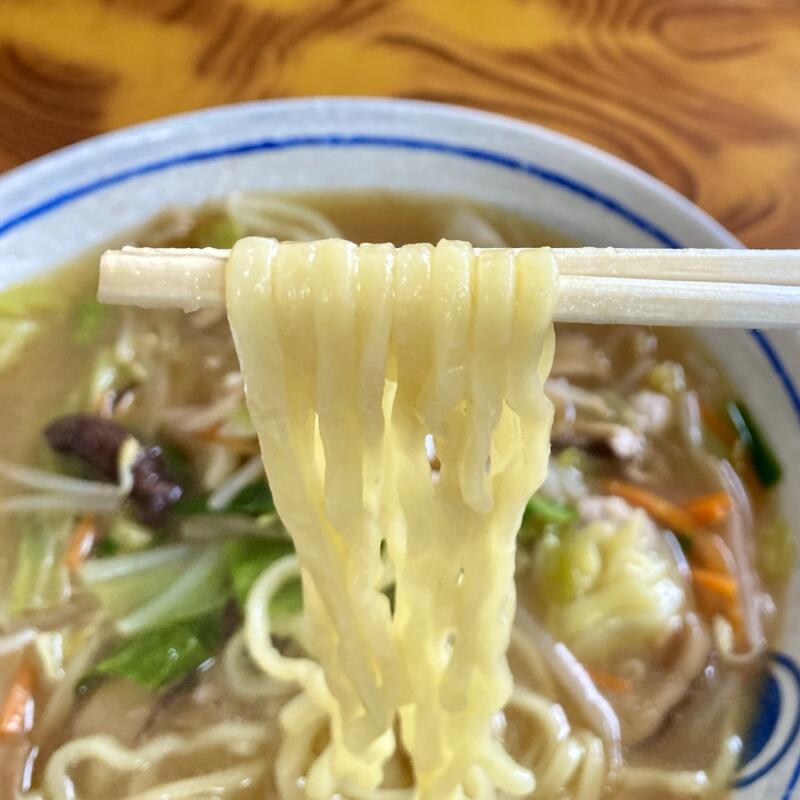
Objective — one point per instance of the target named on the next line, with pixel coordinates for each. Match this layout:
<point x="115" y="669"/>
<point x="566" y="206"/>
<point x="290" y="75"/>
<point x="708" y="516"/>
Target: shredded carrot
<point x="723" y="585"/>
<point x="709" y="509"/>
<point x="710" y="551"/>
<point x="609" y="682"/>
<point x="714" y="580"/>
<point x="661" y="509"/>
<point x="15" y="715"/>
<point x="81" y="542"/>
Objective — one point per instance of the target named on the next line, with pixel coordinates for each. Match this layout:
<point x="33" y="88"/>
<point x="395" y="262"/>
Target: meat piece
<point x="563" y="393"/>
<point x="653" y="411"/>
<point x="99" y="443"/>
<point x="577" y="357"/>
<point x="604" y="438"/>
<point x="604" y="508"/>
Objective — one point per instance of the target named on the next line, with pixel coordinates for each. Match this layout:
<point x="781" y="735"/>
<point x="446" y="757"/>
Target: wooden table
<point x="704" y="94"/>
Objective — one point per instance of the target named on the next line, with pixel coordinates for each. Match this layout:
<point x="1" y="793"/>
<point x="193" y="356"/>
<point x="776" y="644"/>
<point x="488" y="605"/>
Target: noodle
<point x="406" y="343"/>
<point x="241" y="739"/>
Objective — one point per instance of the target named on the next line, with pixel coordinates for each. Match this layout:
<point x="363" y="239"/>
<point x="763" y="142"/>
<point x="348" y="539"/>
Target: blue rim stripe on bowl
<point x="788" y="664"/>
<point x="334" y="140"/>
<point x="409" y="143"/>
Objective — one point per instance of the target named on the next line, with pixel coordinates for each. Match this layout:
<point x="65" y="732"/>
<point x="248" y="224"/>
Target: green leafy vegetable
<point x="40" y="578"/>
<point x="89" y="320"/>
<point x="15" y="336"/>
<point x="157" y="657"/>
<point x="248" y="558"/>
<point x="254" y="500"/>
<point x="765" y="463"/>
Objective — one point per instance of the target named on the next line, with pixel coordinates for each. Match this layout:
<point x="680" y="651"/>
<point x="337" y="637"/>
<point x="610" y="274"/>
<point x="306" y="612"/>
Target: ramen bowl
<point x="60" y="205"/>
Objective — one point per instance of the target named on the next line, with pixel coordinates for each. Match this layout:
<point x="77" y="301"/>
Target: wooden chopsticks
<point x="711" y="288"/>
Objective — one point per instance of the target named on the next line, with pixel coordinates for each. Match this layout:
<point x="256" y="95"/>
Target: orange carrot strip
<point x="609" y="682"/>
<point x="710" y="551"/>
<point x="80" y="543"/>
<point x="723" y="585"/>
<point x="709" y="509"/>
<point x="14" y="715"/>
<point x="661" y="509"/>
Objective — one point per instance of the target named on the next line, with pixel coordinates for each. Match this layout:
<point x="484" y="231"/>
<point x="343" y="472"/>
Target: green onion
<point x="547" y="510"/>
<point x="545" y="514"/>
<point x="765" y="464"/>
<point x="162" y="655"/>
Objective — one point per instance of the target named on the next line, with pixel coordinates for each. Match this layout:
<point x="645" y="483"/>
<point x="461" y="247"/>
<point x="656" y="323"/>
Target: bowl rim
<point x="88" y="151"/>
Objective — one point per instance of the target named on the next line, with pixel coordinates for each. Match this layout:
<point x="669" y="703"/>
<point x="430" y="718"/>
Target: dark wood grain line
<point x="589" y="116"/>
<point x="46" y="102"/>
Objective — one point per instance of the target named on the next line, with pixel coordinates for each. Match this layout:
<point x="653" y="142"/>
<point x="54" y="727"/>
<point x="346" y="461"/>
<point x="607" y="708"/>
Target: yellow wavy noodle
<point x="351" y="357"/>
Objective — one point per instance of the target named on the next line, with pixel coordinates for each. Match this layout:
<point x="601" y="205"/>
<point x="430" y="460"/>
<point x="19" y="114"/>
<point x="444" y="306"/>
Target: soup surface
<point x="136" y="518"/>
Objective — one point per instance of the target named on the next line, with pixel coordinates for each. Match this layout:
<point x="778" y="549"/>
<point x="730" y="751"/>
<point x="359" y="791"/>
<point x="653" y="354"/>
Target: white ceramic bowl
<point x="63" y="203"/>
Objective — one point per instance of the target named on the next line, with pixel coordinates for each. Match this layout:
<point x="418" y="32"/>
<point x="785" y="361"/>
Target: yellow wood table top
<point x="704" y="94"/>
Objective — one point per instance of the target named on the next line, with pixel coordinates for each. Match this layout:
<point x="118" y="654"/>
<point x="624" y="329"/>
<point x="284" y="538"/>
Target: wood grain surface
<point x="704" y="94"/>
